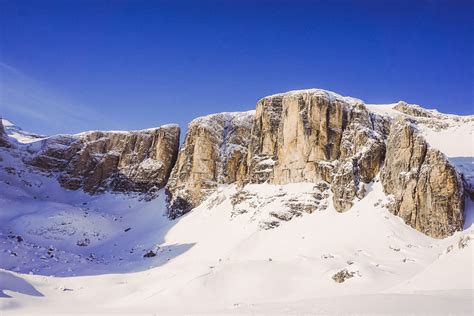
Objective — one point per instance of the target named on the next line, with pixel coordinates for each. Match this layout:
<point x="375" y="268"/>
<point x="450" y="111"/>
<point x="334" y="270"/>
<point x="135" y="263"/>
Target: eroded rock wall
<point x="214" y="152"/>
<point x="119" y="161"/>
<point x="427" y="191"/>
<point x="314" y="135"/>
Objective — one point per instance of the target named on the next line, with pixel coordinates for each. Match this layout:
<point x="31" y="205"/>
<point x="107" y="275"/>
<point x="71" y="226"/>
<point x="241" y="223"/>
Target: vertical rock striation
<point x="118" y="161"/>
<point x="314" y="135"/>
<point x="427" y="190"/>
<point x="214" y="152"/>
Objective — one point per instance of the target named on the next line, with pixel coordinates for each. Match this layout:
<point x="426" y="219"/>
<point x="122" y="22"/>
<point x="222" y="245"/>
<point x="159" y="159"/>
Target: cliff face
<point x="214" y="152"/>
<point x="119" y="161"/>
<point x="315" y="135"/>
<point x="427" y="190"/>
<point x="338" y="143"/>
<point x="3" y="136"/>
<point x="293" y="132"/>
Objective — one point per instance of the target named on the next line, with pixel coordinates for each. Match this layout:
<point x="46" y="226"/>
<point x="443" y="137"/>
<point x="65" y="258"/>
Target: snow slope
<point x="64" y="251"/>
<point x="19" y="135"/>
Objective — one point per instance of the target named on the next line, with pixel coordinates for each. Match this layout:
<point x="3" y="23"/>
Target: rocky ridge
<point x="315" y="136"/>
<point x="428" y="192"/>
<point x="321" y="137"/>
<point x="137" y="161"/>
<point x="214" y="152"/>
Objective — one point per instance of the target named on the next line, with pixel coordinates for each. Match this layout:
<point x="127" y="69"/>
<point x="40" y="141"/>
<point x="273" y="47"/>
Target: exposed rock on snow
<point x="314" y="135"/>
<point x="342" y="276"/>
<point x="413" y="110"/>
<point x="214" y="152"/>
<point x="224" y="257"/>
<point x="427" y="190"/>
<point x="275" y="204"/>
<point x="118" y="161"/>
<point x="3" y="136"/>
<point x="319" y="136"/>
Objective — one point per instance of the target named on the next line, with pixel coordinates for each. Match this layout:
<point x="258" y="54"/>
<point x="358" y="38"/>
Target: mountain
<point x="312" y="203"/>
<point x="321" y="137"/>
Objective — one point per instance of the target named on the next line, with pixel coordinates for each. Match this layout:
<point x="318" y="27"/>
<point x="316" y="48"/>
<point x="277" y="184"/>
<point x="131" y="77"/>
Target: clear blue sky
<point x="69" y="66"/>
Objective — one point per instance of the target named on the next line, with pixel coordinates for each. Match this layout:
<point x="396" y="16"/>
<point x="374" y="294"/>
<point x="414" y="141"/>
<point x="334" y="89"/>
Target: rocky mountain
<point x="325" y="194"/>
<point x="316" y="135"/>
<point x="214" y="152"/>
<point x="428" y="192"/>
<point x="313" y="136"/>
<point x="136" y="161"/>
<point x="319" y="136"/>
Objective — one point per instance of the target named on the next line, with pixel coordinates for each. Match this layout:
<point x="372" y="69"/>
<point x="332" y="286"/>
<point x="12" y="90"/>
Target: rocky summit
<point x="313" y="136"/>
<point x="319" y="136"/>
<point x="316" y="135"/>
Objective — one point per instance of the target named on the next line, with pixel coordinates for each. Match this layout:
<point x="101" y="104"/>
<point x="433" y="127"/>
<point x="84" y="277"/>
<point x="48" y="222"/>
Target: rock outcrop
<point x="318" y="136"/>
<point x="413" y="110"/>
<point x="3" y="136"/>
<point x="300" y="136"/>
<point x="214" y="152"/>
<point x="427" y="190"/>
<point x="135" y="161"/>
<point x="314" y="135"/>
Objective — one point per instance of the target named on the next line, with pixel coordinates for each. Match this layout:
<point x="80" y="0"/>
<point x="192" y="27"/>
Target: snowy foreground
<point x="66" y="251"/>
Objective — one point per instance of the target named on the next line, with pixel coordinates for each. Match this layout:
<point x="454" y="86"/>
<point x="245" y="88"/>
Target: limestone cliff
<point x="319" y="136"/>
<point x="118" y="161"/>
<point x="427" y="190"/>
<point x="214" y="152"/>
<point x="314" y="135"/>
<point x="334" y="142"/>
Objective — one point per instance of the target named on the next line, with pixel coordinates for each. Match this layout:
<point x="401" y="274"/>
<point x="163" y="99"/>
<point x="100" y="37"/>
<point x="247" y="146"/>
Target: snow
<point x="214" y="260"/>
<point x="19" y="135"/>
<point x="332" y="96"/>
<point x="384" y="109"/>
<point x="211" y="121"/>
<point x="151" y="164"/>
<point x="457" y="140"/>
<point x="152" y="129"/>
<point x="61" y="249"/>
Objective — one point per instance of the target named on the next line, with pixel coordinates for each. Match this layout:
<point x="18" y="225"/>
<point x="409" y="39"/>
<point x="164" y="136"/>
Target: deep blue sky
<point x="69" y="66"/>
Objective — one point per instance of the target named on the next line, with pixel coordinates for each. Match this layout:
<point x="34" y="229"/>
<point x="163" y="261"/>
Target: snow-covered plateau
<point x="248" y="247"/>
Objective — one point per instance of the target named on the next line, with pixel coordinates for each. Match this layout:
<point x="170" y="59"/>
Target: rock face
<point x="314" y="135"/>
<point x="413" y="110"/>
<point x="321" y="137"/>
<point x="301" y="136"/>
<point x="119" y="161"/>
<point x="3" y="136"/>
<point x="427" y="190"/>
<point x="214" y="152"/>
